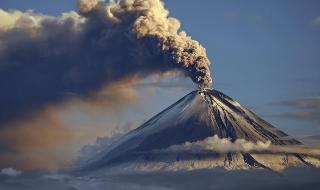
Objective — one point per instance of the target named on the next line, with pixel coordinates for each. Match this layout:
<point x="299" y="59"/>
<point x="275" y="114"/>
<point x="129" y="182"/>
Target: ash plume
<point x="44" y="59"/>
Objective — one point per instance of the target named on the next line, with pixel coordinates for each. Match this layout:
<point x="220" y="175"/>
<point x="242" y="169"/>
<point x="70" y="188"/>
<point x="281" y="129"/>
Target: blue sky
<point x="263" y="53"/>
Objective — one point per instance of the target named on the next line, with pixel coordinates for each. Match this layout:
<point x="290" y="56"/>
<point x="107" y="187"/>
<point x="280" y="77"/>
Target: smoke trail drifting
<point x="153" y="28"/>
<point x="44" y="59"/>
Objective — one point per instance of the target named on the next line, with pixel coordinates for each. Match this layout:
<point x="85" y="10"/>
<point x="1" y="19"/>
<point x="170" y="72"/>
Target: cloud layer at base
<point x="224" y="145"/>
<point x="292" y="179"/>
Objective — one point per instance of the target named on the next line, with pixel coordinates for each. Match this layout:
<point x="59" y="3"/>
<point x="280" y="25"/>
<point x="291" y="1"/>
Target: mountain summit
<point x="200" y="115"/>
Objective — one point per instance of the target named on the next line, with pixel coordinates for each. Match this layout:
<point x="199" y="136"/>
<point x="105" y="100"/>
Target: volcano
<point x="197" y="116"/>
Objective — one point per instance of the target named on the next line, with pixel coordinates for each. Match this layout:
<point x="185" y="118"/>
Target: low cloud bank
<point x="218" y="179"/>
<point x="225" y="145"/>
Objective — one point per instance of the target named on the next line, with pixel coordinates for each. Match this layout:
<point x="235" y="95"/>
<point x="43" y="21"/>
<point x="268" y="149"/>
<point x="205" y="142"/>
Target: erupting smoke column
<point x="44" y="59"/>
<point x="153" y="27"/>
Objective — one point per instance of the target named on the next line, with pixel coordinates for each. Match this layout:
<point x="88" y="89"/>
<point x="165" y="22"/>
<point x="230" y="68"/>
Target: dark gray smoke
<point x="44" y="60"/>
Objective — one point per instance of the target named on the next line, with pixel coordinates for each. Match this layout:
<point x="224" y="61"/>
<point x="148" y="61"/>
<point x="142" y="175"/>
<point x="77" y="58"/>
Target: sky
<point x="261" y="52"/>
<point x="264" y="54"/>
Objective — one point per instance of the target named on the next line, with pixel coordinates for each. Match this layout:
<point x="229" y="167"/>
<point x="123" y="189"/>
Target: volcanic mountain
<point x="197" y="116"/>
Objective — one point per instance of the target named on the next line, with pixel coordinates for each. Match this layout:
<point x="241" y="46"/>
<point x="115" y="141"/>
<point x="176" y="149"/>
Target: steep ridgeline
<point x="197" y="116"/>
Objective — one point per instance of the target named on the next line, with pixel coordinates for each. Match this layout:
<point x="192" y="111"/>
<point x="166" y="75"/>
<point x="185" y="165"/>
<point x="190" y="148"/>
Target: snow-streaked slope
<point x="195" y="117"/>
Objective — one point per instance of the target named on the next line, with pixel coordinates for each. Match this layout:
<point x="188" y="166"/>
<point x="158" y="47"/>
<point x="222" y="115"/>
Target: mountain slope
<point x="195" y="117"/>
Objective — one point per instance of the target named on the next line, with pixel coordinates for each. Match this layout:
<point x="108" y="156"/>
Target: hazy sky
<point x="265" y="55"/>
<point x="262" y="51"/>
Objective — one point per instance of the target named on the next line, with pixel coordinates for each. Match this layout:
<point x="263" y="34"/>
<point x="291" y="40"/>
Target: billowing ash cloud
<point x="46" y="60"/>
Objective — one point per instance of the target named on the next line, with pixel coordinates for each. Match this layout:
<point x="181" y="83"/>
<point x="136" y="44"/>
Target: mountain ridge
<point x="195" y="117"/>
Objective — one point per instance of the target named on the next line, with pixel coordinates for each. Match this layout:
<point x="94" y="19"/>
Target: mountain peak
<point x="199" y="115"/>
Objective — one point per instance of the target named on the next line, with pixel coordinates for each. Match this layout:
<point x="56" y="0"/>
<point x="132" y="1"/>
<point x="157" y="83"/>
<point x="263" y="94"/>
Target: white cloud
<point x="225" y="145"/>
<point x="10" y="172"/>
